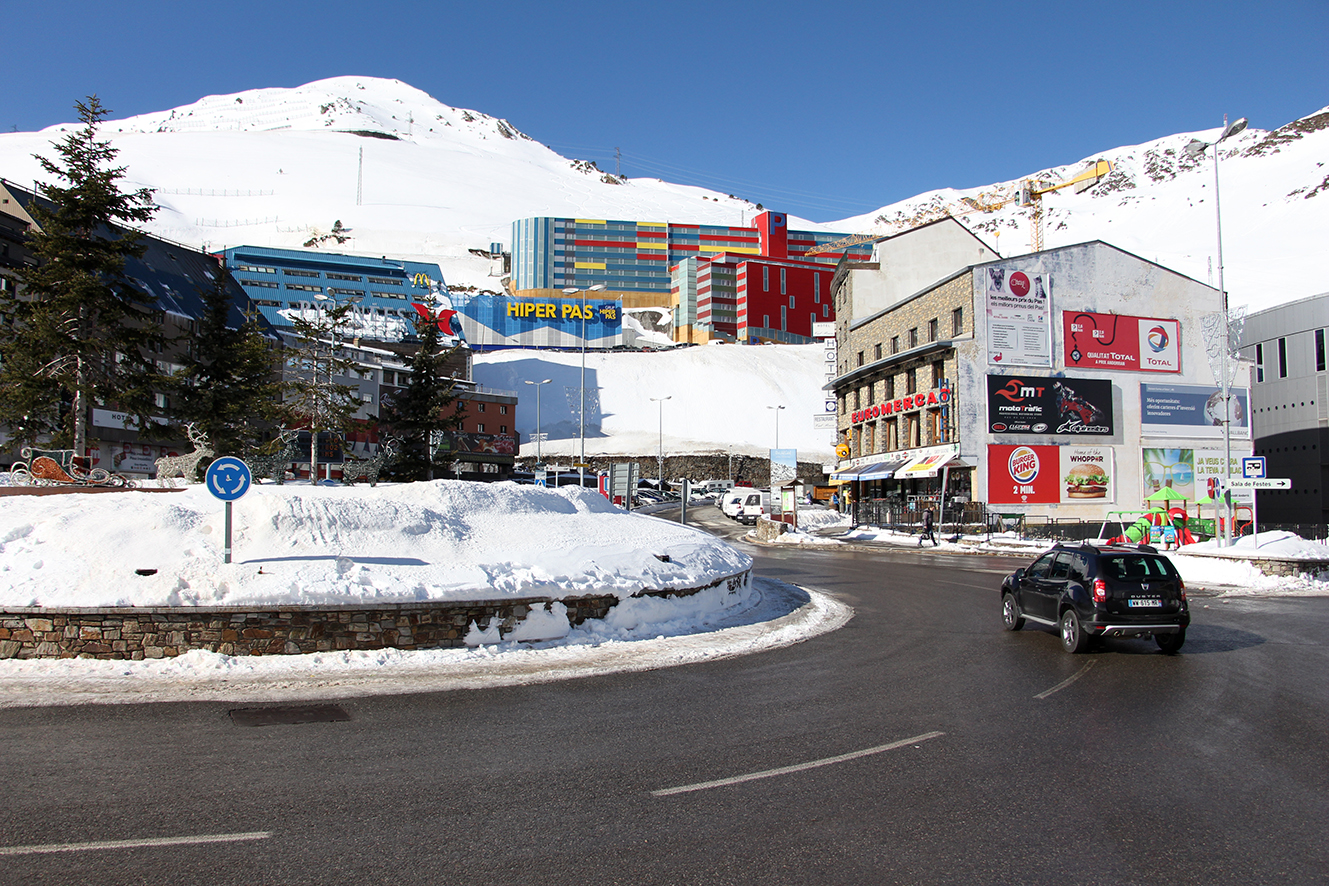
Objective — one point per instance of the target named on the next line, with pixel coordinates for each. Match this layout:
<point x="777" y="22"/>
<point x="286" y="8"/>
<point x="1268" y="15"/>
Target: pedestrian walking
<point x="835" y="501"/>
<point x="927" y="529"/>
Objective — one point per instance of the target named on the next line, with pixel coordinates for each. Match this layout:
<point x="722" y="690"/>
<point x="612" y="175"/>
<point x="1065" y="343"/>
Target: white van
<point x="713" y="487"/>
<point x="732" y="502"/>
<point x="756" y="504"/>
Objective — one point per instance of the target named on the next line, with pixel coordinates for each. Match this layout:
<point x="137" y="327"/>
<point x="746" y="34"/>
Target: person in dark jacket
<point x="927" y="529"/>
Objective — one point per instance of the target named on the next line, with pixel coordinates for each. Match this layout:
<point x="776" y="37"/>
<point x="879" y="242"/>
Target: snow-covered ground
<point x="446" y="540"/>
<point x="721" y="398"/>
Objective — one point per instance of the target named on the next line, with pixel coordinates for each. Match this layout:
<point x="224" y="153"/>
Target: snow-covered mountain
<point x="415" y="178"/>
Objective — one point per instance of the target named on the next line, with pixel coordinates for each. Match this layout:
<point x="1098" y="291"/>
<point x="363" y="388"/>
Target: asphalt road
<point x="919" y="744"/>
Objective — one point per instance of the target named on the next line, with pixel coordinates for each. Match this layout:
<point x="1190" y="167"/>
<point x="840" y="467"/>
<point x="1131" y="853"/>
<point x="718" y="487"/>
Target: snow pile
<point x="445" y="540"/>
<point x="1276" y="545"/>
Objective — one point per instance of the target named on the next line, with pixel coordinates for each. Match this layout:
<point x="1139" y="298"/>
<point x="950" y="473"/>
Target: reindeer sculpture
<point x="171" y="466"/>
<point x="353" y="469"/>
<point x="274" y="465"/>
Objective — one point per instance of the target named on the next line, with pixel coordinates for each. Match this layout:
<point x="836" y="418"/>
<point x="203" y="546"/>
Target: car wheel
<point x="1171" y="643"/>
<point x="1010" y="613"/>
<point x="1073" y="636"/>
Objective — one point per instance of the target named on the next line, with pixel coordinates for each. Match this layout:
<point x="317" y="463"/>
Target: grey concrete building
<point x="1290" y="405"/>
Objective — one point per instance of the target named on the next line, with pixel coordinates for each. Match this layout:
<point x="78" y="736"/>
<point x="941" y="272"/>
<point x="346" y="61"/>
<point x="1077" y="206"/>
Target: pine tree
<point x="230" y="385"/>
<point x="77" y="331"/>
<point x="313" y="362"/>
<point x="416" y="413"/>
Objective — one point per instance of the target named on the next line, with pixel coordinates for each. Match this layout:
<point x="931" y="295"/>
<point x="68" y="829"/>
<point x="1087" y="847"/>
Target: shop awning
<point x="929" y="464"/>
<point x="882" y="470"/>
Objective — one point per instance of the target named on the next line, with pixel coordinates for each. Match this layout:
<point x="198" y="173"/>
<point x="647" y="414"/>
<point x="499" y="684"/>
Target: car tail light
<point x="1181" y="586"/>
<point x="1100" y="590"/>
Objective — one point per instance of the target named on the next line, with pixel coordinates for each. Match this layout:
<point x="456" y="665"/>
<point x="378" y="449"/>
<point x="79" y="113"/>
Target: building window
<point x="911" y="381"/>
<point x="1319" y="350"/>
<point x="782" y="283"/>
<point x="890" y="388"/>
<point x="502" y="409"/>
<point x="825" y="311"/>
<point x="1282" y="358"/>
<point x="479" y="407"/>
<point x="860" y="358"/>
<point x="932" y="329"/>
<point x="871" y="441"/>
<point x="816" y="289"/>
<point x="1259" y="364"/>
<point x="895" y="344"/>
<point x="765" y="279"/>
<point x="876" y="351"/>
<point x="353" y="277"/>
<point x="502" y="429"/>
<point x="291" y="272"/>
<point x="480" y="428"/>
<point x="938" y="373"/>
<point x="913" y="337"/>
<point x="957" y="321"/>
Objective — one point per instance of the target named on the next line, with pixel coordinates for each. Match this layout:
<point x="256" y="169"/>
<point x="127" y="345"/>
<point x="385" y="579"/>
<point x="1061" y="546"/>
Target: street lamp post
<point x="661" y="400"/>
<point x="1194" y="149"/>
<point x="539" y="458"/>
<point x="581" y="417"/>
<point x="777" y="424"/>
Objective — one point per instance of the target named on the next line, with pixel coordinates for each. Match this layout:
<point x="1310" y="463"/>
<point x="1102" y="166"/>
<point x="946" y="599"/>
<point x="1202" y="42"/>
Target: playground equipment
<point x="1155" y="526"/>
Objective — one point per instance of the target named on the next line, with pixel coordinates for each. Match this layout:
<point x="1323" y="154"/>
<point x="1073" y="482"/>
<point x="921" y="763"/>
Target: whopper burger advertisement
<point x="1049" y="474"/>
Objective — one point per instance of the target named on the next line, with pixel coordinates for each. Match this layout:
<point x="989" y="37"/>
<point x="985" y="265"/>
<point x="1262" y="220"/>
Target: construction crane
<point x="1030" y="193"/>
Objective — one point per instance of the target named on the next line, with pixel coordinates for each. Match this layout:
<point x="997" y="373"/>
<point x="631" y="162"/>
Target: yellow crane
<point x="1030" y="193"/>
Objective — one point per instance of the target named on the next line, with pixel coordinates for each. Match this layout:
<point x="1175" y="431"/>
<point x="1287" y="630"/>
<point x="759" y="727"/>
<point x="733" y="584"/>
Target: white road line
<point x="785" y="770"/>
<point x="134" y="844"/>
<point x="1069" y="680"/>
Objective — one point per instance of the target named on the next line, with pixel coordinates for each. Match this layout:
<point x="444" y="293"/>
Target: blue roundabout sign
<point x="228" y="478"/>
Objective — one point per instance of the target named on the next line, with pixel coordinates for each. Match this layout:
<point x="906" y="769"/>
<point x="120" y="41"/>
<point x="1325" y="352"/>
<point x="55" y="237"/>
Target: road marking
<point x="134" y="844"/>
<point x="1068" y="681"/>
<point x="800" y="767"/>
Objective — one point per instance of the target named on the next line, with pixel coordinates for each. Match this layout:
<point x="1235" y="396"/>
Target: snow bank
<point x="445" y="540"/>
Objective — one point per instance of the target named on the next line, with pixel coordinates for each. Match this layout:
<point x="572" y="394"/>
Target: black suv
<point x="1087" y="591"/>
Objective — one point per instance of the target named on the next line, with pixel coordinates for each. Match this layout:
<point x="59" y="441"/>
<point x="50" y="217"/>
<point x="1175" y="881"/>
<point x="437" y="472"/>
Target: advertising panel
<point x="1019" y="318"/>
<point x="1070" y="406"/>
<point x="1209" y="474"/>
<point x="1086" y="475"/>
<point x="498" y="320"/>
<point x="1116" y="341"/>
<point x="1023" y="474"/>
<point x="784" y="466"/>
<point x="1168" y="468"/>
<point x="1191" y="411"/>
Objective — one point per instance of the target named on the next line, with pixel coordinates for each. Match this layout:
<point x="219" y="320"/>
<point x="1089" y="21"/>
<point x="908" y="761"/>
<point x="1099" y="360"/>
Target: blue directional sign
<point x="228" y="478"/>
<point x="1253" y="467"/>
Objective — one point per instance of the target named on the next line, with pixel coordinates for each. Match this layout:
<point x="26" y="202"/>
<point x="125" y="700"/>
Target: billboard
<point x="1116" y="341"/>
<point x="1067" y="406"/>
<point x="497" y="320"/>
<point x="1019" y="474"/>
<point x="1191" y="411"/>
<point x="1019" y="317"/>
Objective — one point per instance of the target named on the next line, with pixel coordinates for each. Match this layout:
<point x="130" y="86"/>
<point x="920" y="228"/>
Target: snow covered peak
<point x="361" y="105"/>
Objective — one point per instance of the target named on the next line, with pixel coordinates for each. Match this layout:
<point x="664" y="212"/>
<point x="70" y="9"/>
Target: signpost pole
<point x="227" y="558"/>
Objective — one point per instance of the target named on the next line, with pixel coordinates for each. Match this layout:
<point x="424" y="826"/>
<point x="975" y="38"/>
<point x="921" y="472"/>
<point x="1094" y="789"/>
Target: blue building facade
<point x="384" y="290"/>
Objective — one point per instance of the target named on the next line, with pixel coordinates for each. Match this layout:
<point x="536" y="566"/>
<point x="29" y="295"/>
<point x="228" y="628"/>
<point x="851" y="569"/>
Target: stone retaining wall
<point x="138" y="633"/>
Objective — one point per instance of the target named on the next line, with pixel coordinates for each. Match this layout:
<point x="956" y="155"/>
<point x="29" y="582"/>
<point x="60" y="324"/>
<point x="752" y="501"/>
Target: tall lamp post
<point x="661" y="400"/>
<point x="1194" y="149"/>
<point x="777" y="424"/>
<point x="539" y="459"/>
<point x="581" y="416"/>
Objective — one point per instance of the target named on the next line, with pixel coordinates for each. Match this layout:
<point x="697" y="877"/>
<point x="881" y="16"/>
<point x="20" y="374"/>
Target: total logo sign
<point x="1158" y="346"/>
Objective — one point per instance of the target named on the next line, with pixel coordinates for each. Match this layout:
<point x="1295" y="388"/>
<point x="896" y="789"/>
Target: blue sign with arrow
<point x="228" y="478"/>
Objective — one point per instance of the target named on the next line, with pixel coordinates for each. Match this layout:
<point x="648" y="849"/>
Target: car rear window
<point x="1136" y="567"/>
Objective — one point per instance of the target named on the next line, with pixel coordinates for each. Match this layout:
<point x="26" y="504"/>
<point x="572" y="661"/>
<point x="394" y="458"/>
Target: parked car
<point x="1088" y="592"/>
<point x="732" y="501"/>
<point x="756" y="504"/>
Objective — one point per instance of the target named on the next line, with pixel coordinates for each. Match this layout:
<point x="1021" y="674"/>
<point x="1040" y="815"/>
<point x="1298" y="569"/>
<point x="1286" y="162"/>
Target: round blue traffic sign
<point x="228" y="478"/>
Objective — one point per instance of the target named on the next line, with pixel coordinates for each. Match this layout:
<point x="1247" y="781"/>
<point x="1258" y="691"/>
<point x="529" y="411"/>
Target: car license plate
<point x="1144" y="602"/>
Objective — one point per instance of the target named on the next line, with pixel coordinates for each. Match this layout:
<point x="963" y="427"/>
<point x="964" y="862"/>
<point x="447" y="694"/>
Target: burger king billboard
<point x="1022" y="474"/>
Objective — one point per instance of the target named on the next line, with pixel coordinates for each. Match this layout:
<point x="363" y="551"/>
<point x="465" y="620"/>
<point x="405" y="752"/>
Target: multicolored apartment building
<point x="736" y="283"/>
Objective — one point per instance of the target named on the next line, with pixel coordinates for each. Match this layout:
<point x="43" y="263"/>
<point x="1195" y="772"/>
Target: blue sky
<point x="822" y="110"/>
